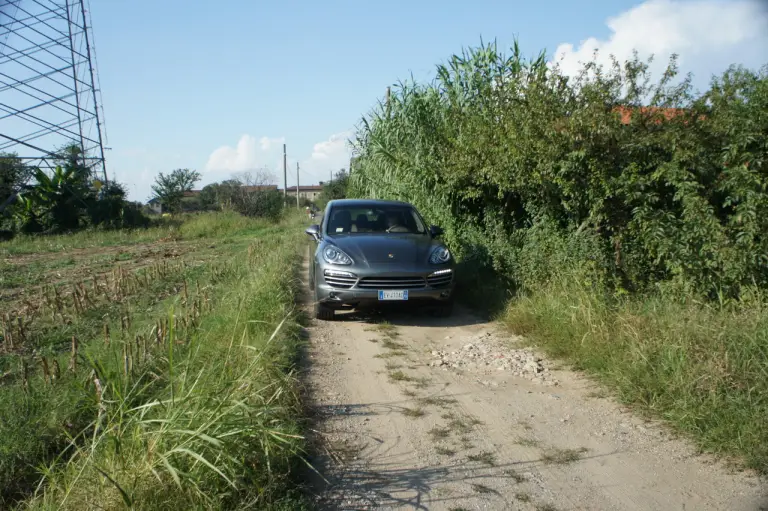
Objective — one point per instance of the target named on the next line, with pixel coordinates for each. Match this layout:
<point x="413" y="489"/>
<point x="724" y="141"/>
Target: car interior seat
<point x="361" y="223"/>
<point x="341" y="222"/>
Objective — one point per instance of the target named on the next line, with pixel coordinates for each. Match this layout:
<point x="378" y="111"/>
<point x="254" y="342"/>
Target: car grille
<point x="340" y="281"/>
<point x="440" y="280"/>
<point x="391" y="282"/>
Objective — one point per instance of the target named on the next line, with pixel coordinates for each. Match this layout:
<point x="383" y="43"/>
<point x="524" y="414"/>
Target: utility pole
<point x="388" y="94"/>
<point x="297" y="186"/>
<point x="285" y="177"/>
<point x="331" y="181"/>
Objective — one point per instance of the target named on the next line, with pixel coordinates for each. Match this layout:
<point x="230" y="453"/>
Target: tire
<point x="323" y="312"/>
<point x="311" y="272"/>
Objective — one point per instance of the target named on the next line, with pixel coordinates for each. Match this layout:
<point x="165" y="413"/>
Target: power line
<point x="48" y="83"/>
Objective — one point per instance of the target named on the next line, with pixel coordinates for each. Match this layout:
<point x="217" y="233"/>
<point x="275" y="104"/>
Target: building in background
<point x="309" y="192"/>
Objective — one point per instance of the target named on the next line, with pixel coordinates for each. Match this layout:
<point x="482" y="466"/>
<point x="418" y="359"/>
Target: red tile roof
<point x="668" y="113"/>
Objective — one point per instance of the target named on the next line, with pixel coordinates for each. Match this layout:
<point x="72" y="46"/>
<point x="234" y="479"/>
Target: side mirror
<point x="435" y="231"/>
<point x="314" y="231"/>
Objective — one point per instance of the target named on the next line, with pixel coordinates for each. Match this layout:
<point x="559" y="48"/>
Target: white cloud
<point x="708" y="35"/>
<point x="267" y="143"/>
<point x="327" y="156"/>
<point x="249" y="154"/>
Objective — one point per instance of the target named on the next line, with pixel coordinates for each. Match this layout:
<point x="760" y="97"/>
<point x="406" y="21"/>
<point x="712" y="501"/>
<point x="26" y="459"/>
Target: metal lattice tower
<point x="49" y="93"/>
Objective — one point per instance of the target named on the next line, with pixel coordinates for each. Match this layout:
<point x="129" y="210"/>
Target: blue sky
<point x="218" y="86"/>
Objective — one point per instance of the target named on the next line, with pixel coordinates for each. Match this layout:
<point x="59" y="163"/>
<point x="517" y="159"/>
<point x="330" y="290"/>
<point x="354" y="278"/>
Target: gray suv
<point x="377" y="252"/>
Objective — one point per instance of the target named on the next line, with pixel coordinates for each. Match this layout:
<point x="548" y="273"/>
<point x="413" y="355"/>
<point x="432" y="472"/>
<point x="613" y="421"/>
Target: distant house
<point x="259" y="188"/>
<point x="155" y="206"/>
<point x="309" y="192"/>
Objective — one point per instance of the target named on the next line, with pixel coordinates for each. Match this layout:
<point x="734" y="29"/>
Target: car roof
<point x="367" y="202"/>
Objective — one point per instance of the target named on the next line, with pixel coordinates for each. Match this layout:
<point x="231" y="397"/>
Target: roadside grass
<point x="527" y="442"/>
<point x="442" y="402"/>
<point x="523" y="497"/>
<point x="699" y="366"/>
<point x="202" y="416"/>
<point x="91" y="238"/>
<point x="562" y="456"/>
<point x="485" y="457"/>
<point x="399" y="376"/>
<point x="438" y="433"/>
<point x="481" y="488"/>
<point x="518" y="478"/>
<point x="413" y="413"/>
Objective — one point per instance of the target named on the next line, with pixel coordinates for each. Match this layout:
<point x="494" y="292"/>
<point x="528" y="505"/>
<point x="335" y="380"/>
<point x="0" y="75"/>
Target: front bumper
<point x="333" y="295"/>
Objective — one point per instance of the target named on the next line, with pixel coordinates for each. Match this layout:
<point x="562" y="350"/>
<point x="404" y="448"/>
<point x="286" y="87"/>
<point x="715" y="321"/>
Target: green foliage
<point x="630" y="215"/>
<point x="259" y="203"/>
<point x="336" y="189"/>
<point x="219" y="224"/>
<point x="244" y="196"/>
<point x="170" y="188"/>
<point x="204" y="418"/>
<point x="65" y="199"/>
<point x="701" y="367"/>
<point x="58" y="202"/>
<point x="498" y="145"/>
<point x="13" y="175"/>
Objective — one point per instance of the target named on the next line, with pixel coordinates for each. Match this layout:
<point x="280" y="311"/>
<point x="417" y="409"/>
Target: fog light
<point x="445" y="294"/>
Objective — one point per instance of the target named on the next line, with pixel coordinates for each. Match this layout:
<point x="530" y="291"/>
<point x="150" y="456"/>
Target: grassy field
<point x="701" y="366"/>
<point x="150" y="368"/>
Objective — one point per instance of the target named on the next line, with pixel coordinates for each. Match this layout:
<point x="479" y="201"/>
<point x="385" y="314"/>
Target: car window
<point x="375" y="219"/>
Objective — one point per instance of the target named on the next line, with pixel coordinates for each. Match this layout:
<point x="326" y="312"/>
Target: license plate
<point x="393" y="295"/>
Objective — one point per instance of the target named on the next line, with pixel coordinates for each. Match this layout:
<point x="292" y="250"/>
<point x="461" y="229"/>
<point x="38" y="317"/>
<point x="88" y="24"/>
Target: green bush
<point x="264" y="204"/>
<point x="700" y="366"/>
<point x="497" y="144"/>
<point x="630" y="218"/>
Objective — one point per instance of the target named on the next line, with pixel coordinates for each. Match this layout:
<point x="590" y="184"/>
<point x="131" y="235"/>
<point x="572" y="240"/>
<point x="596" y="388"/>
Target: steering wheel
<point x="401" y="227"/>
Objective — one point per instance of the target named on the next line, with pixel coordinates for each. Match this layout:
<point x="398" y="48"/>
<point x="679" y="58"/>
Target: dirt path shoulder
<point x="426" y="413"/>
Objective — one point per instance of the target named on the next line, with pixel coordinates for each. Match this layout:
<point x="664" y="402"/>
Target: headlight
<point x="440" y="255"/>
<point x="333" y="255"/>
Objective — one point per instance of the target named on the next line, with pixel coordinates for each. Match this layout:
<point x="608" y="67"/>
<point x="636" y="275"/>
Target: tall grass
<point x="184" y="226"/>
<point x="90" y="238"/>
<point x="703" y="367"/>
<point x="226" y="223"/>
<point x="635" y="235"/>
<point x="212" y="424"/>
<point x="192" y="409"/>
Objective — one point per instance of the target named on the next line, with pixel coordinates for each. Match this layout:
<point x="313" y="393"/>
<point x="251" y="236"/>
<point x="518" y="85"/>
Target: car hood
<point x="386" y="248"/>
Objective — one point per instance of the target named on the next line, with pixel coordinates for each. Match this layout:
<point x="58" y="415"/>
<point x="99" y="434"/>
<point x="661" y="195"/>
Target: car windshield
<point x="375" y="219"/>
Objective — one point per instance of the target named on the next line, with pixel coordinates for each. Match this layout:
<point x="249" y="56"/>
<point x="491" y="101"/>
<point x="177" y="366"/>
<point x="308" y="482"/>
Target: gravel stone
<point x="485" y="352"/>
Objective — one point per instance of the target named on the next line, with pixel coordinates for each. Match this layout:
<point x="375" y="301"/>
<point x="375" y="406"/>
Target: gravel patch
<point x="486" y="353"/>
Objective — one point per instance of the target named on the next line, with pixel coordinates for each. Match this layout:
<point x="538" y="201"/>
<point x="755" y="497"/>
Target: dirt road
<point x="407" y="415"/>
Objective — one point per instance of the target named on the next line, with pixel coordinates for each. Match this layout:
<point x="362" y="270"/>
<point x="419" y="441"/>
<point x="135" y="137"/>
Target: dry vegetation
<point x="141" y="365"/>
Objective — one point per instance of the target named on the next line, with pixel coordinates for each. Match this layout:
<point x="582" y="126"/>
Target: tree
<point x="170" y="188"/>
<point x="55" y="203"/>
<point x="13" y="175"/>
<point x="209" y="197"/>
<point x="255" y="196"/>
<point x="336" y="189"/>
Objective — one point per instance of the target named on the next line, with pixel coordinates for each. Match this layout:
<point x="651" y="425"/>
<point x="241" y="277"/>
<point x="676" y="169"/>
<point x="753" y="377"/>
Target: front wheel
<point x="322" y="312"/>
